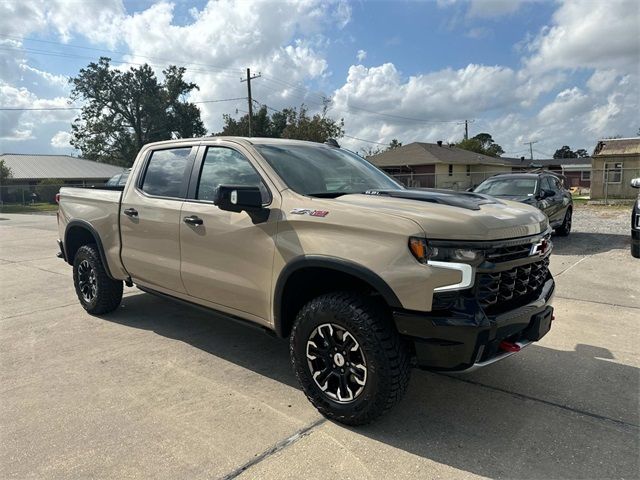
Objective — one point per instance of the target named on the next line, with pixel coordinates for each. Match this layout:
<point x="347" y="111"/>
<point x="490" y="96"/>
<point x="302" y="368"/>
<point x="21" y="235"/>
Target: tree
<point x="370" y="151"/>
<point x="582" y="153"/>
<point x="288" y="123"/>
<point x="565" y="152"/>
<point x="124" y="110"/>
<point x="482" y="143"/>
<point x="47" y="189"/>
<point x="394" y="144"/>
<point x="5" y="172"/>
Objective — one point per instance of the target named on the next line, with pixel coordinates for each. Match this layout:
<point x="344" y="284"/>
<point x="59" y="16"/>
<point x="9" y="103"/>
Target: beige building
<point x="614" y="163"/>
<point x="438" y="165"/>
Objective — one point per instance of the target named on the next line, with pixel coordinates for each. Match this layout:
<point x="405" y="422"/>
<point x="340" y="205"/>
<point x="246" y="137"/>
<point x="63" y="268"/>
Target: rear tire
<point x="635" y="250"/>
<point x="98" y="294"/>
<point x="353" y="334"/>
<point x="565" y="229"/>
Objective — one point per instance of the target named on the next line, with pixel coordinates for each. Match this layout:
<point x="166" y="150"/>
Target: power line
<point x="531" y="147"/>
<point x="80" y="108"/>
<point x="82" y="47"/>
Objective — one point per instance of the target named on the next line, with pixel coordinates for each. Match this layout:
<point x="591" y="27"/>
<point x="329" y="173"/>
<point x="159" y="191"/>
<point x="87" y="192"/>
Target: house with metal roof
<point x="438" y="165"/>
<point x="615" y="161"/>
<point x="30" y="170"/>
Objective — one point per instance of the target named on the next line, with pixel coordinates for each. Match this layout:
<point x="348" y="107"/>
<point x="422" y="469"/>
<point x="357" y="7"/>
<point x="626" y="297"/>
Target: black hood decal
<point x="467" y="200"/>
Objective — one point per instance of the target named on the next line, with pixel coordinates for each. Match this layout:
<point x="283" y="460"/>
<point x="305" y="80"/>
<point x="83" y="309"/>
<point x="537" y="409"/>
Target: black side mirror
<point x="544" y="194"/>
<point x="470" y="189"/>
<point x="237" y="198"/>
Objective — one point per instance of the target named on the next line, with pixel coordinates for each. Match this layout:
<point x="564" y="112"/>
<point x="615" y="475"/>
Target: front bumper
<point x="466" y="337"/>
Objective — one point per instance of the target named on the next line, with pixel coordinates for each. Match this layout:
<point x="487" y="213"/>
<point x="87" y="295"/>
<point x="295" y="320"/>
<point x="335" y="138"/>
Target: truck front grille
<point x="504" y="290"/>
<point x="506" y="254"/>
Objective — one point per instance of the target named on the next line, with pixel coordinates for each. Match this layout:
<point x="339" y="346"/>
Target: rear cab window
<point x="166" y="172"/>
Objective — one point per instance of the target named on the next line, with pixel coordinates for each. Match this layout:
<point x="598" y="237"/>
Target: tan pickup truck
<point x="314" y="243"/>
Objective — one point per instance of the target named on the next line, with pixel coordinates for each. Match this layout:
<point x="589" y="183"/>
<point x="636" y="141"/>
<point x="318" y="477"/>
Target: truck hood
<point x="448" y="215"/>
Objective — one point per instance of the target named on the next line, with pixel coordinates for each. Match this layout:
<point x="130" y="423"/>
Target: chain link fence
<point x="37" y="196"/>
<point x="602" y="184"/>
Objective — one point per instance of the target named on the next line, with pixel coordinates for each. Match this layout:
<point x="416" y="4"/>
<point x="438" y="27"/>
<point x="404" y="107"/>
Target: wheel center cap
<point x="338" y="359"/>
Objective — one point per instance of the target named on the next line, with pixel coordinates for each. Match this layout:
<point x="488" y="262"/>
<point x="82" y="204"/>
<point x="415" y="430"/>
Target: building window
<point x="450" y="170"/>
<point x="585" y="175"/>
<point x="613" y="172"/>
<point x="468" y="170"/>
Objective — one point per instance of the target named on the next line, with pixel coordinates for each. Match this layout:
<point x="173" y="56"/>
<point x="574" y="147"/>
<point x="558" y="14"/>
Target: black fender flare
<point x="86" y="226"/>
<point x="331" y="263"/>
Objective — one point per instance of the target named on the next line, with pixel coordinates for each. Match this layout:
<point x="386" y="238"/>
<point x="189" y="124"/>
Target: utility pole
<point x="466" y="129"/>
<point x="530" y="147"/>
<point x="248" y="80"/>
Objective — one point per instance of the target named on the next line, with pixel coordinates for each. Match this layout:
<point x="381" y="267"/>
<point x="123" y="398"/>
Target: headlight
<point x="423" y="252"/>
<point x="455" y="255"/>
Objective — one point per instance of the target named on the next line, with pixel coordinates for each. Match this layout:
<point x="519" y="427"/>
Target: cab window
<point x="166" y="171"/>
<point x="225" y="166"/>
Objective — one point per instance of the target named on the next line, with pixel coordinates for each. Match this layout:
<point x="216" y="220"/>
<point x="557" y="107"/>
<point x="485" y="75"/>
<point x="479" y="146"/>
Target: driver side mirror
<point x="237" y="198"/>
<point x="545" y="194"/>
<point x="635" y="183"/>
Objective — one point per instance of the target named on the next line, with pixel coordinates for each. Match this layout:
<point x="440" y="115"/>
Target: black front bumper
<point x="466" y="335"/>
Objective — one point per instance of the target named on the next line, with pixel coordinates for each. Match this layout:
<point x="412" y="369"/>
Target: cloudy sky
<point x="559" y="73"/>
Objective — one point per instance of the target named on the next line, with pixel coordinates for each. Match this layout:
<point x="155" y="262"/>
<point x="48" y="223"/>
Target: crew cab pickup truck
<point x="310" y="241"/>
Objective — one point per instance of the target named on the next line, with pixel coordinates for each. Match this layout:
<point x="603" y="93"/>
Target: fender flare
<point x="86" y="226"/>
<point x="331" y="263"/>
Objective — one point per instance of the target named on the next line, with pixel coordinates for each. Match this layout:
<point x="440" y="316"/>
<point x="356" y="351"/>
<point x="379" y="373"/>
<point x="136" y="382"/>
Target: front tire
<point x="98" y="294"/>
<point x="350" y="361"/>
<point x="565" y="228"/>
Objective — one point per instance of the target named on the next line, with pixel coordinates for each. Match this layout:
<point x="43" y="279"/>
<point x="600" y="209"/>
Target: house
<point x="438" y="165"/>
<point x="614" y="163"/>
<point x="28" y="170"/>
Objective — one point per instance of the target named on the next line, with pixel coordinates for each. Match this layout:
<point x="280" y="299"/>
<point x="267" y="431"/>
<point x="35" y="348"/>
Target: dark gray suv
<point x="543" y="190"/>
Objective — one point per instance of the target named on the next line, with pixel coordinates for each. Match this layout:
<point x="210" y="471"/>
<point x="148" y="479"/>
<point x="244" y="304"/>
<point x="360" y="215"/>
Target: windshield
<point x="517" y="187"/>
<point x="324" y="171"/>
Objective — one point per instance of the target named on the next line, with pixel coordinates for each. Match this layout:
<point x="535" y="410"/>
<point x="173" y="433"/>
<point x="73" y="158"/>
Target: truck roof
<point x="243" y="140"/>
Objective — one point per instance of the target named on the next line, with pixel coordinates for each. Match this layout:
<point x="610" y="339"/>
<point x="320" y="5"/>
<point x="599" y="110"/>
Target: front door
<point x="150" y="218"/>
<point x="227" y="257"/>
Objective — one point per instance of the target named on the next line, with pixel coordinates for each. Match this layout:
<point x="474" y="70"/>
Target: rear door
<point x="227" y="259"/>
<point x="150" y="217"/>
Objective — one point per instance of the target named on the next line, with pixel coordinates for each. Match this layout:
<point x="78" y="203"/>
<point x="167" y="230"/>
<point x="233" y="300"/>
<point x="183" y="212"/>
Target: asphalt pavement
<point x="159" y="390"/>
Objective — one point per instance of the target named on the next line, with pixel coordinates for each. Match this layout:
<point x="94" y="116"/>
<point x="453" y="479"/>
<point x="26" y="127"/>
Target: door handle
<point x="193" y="220"/>
<point x="130" y="212"/>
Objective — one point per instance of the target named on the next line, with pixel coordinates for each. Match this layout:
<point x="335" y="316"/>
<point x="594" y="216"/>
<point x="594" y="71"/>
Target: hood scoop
<point x="466" y="200"/>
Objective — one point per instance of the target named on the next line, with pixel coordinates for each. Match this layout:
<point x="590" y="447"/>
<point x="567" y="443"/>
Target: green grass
<point x="31" y="208"/>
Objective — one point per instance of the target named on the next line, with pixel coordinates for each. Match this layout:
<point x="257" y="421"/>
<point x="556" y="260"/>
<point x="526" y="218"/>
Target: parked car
<point x="543" y="190"/>
<point x="119" y="179"/>
<point x="635" y="222"/>
<point x="314" y="243"/>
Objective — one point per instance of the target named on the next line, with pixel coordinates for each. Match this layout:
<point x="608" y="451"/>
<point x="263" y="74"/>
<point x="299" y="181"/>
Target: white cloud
<point x="492" y="8"/>
<point x="479" y="33"/>
<point x="19" y="124"/>
<point x="361" y="56"/>
<point x="588" y="34"/>
<point x="61" y="140"/>
<point x="602" y="80"/>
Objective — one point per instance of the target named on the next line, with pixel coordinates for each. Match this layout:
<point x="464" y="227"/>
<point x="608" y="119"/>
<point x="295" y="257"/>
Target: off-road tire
<point x="565" y="229"/>
<point x="108" y="292"/>
<point x="387" y="355"/>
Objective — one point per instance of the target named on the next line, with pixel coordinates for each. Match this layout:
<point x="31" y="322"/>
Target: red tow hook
<point x="509" y="346"/>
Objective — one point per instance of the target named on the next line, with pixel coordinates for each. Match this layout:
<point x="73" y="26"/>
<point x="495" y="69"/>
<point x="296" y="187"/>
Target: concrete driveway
<point x="158" y="390"/>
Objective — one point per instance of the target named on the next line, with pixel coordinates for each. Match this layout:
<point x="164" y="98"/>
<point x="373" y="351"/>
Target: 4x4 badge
<point x="307" y="211"/>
